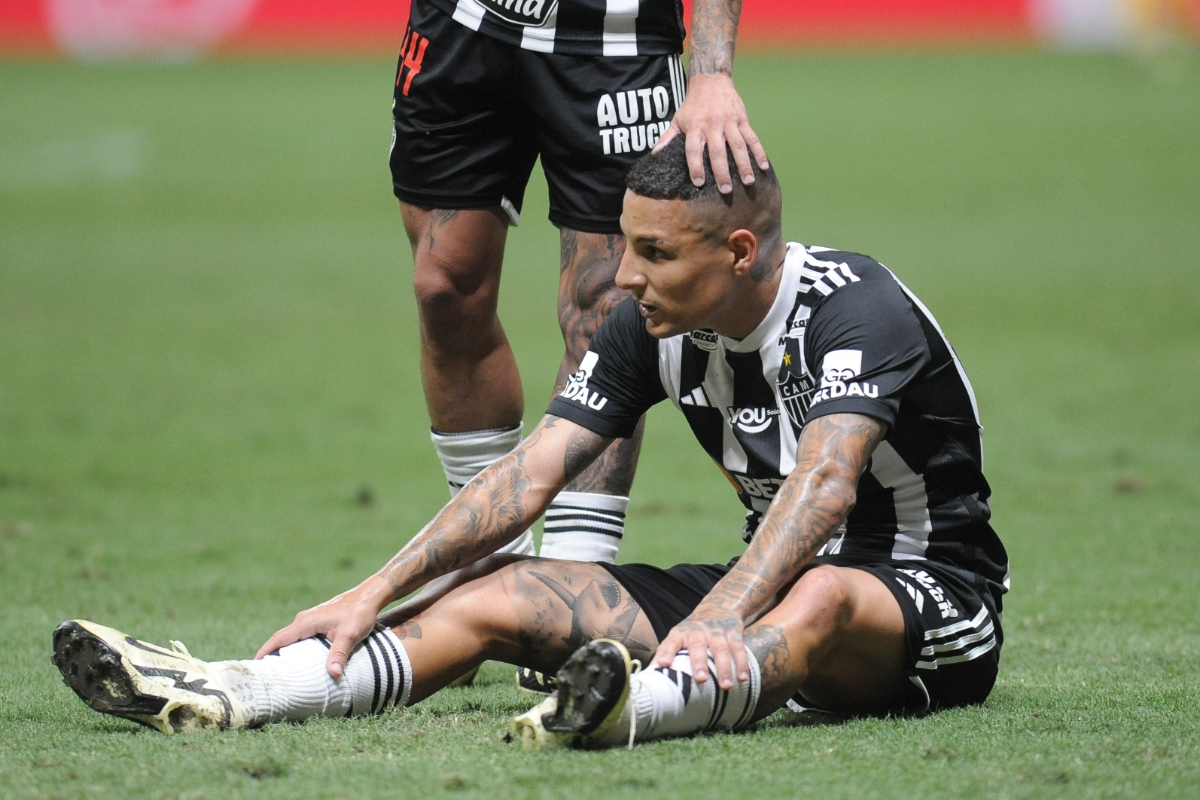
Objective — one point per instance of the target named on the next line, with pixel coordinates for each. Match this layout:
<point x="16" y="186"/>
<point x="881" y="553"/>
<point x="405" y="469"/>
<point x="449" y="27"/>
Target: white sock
<point x="584" y="526"/>
<point x="667" y="702"/>
<point x="465" y="455"/>
<point x="294" y="685"/>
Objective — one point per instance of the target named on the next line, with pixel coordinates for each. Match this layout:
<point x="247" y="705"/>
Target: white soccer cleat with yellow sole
<point x="167" y="690"/>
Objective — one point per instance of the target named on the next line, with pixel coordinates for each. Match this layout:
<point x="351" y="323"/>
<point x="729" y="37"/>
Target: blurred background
<point x="171" y="29"/>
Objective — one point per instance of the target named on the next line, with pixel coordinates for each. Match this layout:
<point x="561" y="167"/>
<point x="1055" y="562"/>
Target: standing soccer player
<point x="483" y="89"/>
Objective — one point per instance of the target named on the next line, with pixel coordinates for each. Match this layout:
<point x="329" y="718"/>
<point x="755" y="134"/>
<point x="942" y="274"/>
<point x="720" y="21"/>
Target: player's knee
<point x="822" y="600"/>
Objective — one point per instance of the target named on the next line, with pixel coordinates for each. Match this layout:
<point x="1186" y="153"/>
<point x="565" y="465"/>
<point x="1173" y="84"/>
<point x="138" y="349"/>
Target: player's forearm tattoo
<point x="714" y="33"/>
<point x="488" y="512"/>
<point x="814" y="500"/>
<point x="570" y="617"/>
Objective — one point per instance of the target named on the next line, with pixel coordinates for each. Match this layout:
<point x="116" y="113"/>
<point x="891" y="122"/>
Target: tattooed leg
<point x="837" y="637"/>
<point x="587" y="293"/>
<point x="530" y="612"/>
<point x="467" y="367"/>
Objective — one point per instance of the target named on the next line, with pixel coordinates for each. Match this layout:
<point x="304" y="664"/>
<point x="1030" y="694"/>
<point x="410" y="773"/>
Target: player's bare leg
<point x="468" y="370"/>
<point x="837" y="637"/>
<point x="587" y="293"/>
<point x="469" y="374"/>
<point x="531" y="612"/>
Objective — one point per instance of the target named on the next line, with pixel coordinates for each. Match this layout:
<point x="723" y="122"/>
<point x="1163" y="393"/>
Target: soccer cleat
<point x="530" y="680"/>
<point x="167" y="690"/>
<point x="591" y="695"/>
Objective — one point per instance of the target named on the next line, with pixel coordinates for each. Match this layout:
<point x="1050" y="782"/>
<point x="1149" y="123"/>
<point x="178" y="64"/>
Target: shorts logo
<point x="838" y="371"/>
<point x="632" y="121"/>
<point x="577" y="388"/>
<point x="531" y="13"/>
<point x="926" y="581"/>
<point x="752" y="420"/>
<point x="705" y="340"/>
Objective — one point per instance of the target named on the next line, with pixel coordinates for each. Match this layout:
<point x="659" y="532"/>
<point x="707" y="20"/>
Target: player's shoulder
<point x="850" y="265"/>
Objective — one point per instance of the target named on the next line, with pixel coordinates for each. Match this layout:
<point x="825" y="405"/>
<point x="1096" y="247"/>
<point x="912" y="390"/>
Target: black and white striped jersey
<point x="843" y="335"/>
<point x="575" y="27"/>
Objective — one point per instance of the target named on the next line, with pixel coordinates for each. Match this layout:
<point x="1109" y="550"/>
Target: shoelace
<point x="635" y="667"/>
<point x="180" y="647"/>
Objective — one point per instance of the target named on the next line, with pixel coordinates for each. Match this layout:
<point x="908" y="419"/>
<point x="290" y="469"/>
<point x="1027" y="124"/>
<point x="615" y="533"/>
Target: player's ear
<point x="743" y="245"/>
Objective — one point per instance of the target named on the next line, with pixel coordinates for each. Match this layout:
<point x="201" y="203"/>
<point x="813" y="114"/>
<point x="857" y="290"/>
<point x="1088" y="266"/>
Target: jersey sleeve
<point x="864" y="347"/>
<point x="617" y="380"/>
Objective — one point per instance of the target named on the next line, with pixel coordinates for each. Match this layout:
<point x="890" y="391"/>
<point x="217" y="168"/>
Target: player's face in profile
<point x="681" y="279"/>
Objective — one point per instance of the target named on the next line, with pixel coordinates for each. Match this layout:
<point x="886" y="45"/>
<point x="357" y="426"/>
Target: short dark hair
<point x="664" y="176"/>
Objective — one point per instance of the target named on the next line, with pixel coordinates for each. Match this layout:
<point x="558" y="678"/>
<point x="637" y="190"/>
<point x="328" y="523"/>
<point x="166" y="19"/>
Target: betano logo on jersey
<point x="577" y="388"/>
<point x="633" y="121"/>
<point x="531" y="13"/>
<point x="838" y="370"/>
<point x="752" y="420"/>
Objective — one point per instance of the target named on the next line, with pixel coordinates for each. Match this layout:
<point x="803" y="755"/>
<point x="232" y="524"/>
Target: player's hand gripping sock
<point x="293" y="683"/>
<point x="465" y="455"/>
<point x="584" y="526"/>
<point x="602" y="702"/>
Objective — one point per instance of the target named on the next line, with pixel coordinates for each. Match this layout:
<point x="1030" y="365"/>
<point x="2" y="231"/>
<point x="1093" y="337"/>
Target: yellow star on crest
<point x="787" y="359"/>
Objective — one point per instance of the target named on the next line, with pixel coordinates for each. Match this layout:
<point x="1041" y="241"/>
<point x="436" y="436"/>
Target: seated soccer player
<point x="871" y="581"/>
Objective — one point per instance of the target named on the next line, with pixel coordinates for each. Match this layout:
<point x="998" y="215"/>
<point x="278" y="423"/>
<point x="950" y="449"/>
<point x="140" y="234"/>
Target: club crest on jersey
<point x="531" y="13"/>
<point x="796" y="392"/>
<point x="577" y="387"/>
<point x="705" y="340"/>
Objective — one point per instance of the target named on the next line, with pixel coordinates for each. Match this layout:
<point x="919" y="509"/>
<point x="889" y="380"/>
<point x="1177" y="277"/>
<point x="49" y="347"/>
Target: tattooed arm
<point x="490" y="511"/>
<point x="712" y="113"/>
<point x="814" y="500"/>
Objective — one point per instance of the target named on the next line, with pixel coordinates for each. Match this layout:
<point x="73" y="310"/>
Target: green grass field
<point x="207" y="365"/>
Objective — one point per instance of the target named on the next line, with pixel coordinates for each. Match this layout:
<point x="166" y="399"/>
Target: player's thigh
<point x="559" y="606"/>
<point x="460" y="139"/>
<point x="594" y="118"/>
<point x="457" y="253"/>
<point x="846" y="638"/>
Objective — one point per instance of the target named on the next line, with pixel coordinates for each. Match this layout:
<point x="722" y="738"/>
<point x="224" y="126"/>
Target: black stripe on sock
<point x="374" y="668"/>
<point x="401" y="678"/>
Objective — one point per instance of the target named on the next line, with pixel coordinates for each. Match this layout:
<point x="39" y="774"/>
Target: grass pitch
<point x="210" y="415"/>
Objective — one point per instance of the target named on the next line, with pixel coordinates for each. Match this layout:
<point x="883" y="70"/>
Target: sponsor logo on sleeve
<point x="838" y="372"/>
<point x="577" y="389"/>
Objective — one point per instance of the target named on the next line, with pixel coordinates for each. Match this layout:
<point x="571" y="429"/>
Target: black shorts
<point x="472" y="114"/>
<point x="953" y="631"/>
